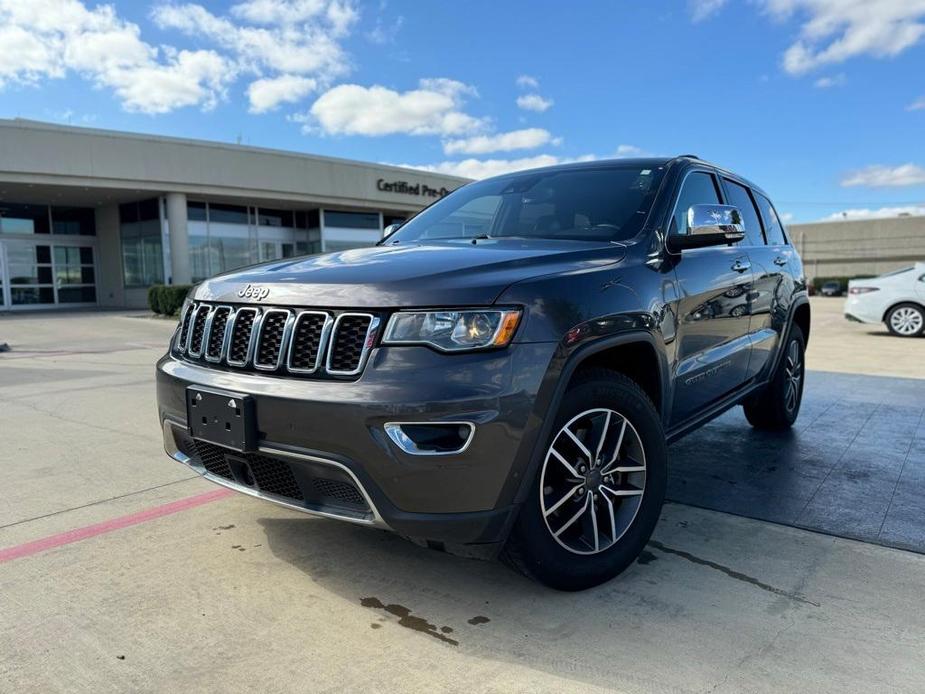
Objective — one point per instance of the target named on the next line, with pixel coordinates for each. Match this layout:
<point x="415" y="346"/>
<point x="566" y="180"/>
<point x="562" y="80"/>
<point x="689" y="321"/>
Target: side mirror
<point x="390" y="229"/>
<point x="709" y="225"/>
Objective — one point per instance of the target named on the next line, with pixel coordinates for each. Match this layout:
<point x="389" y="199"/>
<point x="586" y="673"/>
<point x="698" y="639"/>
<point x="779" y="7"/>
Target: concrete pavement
<point x="235" y="594"/>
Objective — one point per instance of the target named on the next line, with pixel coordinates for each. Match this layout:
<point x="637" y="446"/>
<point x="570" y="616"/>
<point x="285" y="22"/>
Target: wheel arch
<point x="637" y="343"/>
<point x="900" y="302"/>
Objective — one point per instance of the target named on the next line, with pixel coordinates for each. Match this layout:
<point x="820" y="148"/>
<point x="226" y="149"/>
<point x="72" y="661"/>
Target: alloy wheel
<point x="793" y="373"/>
<point x="593" y="481"/>
<point x="906" y="320"/>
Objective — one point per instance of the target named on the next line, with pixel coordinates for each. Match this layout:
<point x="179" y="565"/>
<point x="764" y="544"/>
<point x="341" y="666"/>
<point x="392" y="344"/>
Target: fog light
<point x="431" y="438"/>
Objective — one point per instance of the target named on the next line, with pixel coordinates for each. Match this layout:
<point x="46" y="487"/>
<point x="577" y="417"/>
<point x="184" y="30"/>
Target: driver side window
<point x="699" y="188"/>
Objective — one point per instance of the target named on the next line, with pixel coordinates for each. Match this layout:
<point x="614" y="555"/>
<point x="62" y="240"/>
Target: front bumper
<point x="322" y="429"/>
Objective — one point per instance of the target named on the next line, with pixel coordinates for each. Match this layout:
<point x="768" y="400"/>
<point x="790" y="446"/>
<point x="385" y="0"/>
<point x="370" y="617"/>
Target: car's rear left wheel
<point x="598" y="492"/>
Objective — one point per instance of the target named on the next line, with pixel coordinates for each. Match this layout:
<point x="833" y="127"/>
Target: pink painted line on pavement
<point x="77" y="534"/>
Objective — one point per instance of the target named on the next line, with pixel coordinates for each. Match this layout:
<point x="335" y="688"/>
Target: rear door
<point x="712" y="343"/>
<point x="769" y="298"/>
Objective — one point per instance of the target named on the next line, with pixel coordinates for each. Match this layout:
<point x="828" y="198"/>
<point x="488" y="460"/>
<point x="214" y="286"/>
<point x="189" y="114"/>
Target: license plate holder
<point x="222" y="417"/>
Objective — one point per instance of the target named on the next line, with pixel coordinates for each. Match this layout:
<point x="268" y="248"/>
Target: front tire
<point x="906" y="320"/>
<point x="598" y="492"/>
<point x="777" y="405"/>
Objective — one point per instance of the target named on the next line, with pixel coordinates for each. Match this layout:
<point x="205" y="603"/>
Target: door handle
<point x="741" y="266"/>
<point x="780" y="260"/>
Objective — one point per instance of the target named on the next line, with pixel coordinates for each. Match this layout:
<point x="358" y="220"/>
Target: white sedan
<point x="897" y="299"/>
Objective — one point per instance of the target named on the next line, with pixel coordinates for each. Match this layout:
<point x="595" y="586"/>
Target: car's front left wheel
<point x="599" y="490"/>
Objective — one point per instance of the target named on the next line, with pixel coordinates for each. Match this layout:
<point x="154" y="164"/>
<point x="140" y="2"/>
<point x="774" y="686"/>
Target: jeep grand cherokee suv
<point x="504" y="372"/>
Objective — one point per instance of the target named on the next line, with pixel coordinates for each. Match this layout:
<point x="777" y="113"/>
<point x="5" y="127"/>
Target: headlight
<point x="453" y="331"/>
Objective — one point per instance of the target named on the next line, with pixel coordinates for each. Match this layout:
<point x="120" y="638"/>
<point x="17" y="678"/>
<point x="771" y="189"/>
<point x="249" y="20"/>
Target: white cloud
<point x="484" y="168"/>
<point x="385" y="33"/>
<point x="829" y="82"/>
<point x="880" y="213"/>
<point x="528" y="138"/>
<point x="878" y="176"/>
<point x="917" y="105"/>
<point x="268" y="93"/>
<point x="703" y="9"/>
<point x="49" y="39"/>
<point x="528" y="82"/>
<point x="434" y="108"/>
<point x="626" y="151"/>
<point x="786" y="217"/>
<point x="533" y="102"/>
<point x="290" y="44"/>
<point x="834" y="31"/>
<point x="297" y="43"/>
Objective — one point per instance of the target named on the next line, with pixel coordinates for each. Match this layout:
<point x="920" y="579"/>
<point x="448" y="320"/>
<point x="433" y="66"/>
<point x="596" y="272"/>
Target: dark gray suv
<point x="501" y="375"/>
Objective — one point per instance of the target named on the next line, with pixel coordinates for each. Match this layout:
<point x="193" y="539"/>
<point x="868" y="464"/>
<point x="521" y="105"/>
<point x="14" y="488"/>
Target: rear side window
<point x="772" y="226"/>
<point x="740" y="197"/>
<point x="699" y="188"/>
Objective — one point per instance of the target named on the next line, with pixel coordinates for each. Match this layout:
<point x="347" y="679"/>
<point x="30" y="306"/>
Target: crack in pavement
<point x="731" y="573"/>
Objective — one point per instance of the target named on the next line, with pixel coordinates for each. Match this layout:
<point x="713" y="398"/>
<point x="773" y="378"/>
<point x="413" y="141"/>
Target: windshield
<point x="602" y="204"/>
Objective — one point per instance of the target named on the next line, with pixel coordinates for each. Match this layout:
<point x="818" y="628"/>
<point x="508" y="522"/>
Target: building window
<point x="351" y="220"/>
<point x="23" y="219"/>
<point x="195" y="211"/>
<point x="73" y="221"/>
<point x="228" y="214"/>
<point x="142" y="251"/>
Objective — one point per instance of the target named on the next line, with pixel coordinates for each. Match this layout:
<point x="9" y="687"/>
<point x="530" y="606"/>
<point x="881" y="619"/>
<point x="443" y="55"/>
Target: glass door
<point x="36" y="274"/>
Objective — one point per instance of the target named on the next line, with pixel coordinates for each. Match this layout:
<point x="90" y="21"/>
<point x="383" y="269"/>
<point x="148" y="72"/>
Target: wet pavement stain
<point x="375" y="626"/>
<point x="446" y="630"/>
<point x="646" y="557"/>
<point x="407" y="620"/>
<point x="737" y="575"/>
<point x="479" y="620"/>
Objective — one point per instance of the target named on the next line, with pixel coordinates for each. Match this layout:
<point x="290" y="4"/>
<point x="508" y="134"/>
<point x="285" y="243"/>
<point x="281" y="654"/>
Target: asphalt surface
<point x="120" y="572"/>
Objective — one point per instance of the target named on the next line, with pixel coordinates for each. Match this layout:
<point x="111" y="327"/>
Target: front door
<point x="712" y="343"/>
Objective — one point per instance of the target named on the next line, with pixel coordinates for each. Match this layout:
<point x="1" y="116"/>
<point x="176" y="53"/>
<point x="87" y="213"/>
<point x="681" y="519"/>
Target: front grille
<point x="213" y="459"/>
<point x="270" y="341"/>
<point x="239" y="349"/>
<point x="349" y="342"/>
<point x="278" y="340"/>
<point x="338" y="491"/>
<point x="308" y="333"/>
<point x="198" y="330"/>
<point x="276" y="476"/>
<point x="216" y="342"/>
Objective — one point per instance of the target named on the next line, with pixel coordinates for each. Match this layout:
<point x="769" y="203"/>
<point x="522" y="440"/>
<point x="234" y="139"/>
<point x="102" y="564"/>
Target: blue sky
<point x="822" y="102"/>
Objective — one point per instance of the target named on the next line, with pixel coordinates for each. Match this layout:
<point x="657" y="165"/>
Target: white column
<point x="179" y="239"/>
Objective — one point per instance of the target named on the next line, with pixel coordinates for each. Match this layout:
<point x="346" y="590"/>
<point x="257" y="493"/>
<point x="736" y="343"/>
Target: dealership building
<point x="94" y="217"/>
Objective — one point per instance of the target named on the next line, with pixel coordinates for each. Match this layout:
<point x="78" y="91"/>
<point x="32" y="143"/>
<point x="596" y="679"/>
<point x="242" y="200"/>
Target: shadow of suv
<point x="503" y="373"/>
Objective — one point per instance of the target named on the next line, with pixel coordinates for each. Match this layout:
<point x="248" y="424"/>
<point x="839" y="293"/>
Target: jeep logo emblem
<point x="254" y="292"/>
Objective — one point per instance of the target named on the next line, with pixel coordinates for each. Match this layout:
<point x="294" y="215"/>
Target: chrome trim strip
<point x="250" y="344"/>
<point x="403" y="441"/>
<point x="370" y="331"/>
<point x="170" y="446"/>
<point x="192" y="328"/>
<point x="206" y="339"/>
<point x="287" y="327"/>
<point x="322" y="341"/>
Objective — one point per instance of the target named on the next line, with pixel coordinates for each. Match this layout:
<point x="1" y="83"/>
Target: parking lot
<point x="784" y="562"/>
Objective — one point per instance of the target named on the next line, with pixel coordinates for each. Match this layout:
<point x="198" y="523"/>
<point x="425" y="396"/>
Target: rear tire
<point x="906" y="320"/>
<point x="776" y="406"/>
<point x="598" y="492"/>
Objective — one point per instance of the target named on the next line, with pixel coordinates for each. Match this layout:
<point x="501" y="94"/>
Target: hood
<point x="455" y="273"/>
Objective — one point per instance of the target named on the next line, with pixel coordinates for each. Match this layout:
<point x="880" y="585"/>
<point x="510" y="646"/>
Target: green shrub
<point x="154" y="297"/>
<point x="167" y="299"/>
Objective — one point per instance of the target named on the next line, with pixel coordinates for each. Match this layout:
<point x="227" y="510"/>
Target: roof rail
<point x="688" y="156"/>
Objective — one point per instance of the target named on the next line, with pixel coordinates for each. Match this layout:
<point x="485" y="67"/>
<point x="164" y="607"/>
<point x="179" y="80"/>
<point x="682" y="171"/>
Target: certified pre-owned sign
<point x="254" y="291"/>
